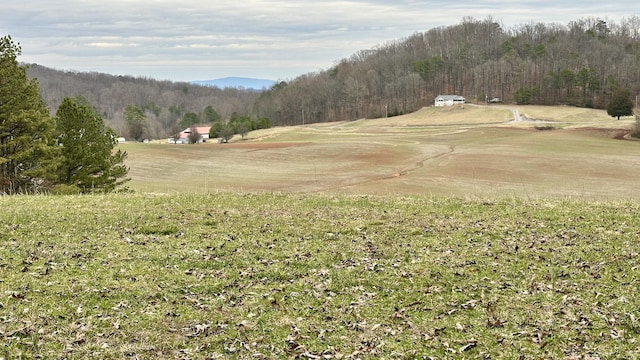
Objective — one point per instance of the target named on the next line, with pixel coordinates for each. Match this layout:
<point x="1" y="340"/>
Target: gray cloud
<point x="277" y="39"/>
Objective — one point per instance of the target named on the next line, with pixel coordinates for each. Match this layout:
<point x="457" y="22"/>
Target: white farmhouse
<point x="449" y="100"/>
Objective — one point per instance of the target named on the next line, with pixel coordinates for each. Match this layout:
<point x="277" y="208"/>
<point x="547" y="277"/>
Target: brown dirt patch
<point x="602" y="133"/>
<point x="257" y="146"/>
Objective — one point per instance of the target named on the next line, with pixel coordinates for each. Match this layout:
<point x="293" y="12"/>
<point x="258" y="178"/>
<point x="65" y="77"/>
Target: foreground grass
<point x="286" y="276"/>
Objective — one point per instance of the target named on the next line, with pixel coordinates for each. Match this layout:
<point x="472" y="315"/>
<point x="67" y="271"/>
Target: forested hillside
<point x="579" y="64"/>
<point x="165" y="103"/>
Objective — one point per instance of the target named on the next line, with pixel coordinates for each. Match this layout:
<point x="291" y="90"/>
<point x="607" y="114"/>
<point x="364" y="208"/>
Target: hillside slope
<point x="475" y="151"/>
<point x="577" y="64"/>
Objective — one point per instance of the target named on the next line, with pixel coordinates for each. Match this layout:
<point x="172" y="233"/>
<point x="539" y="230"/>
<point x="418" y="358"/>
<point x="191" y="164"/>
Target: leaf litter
<point x="289" y="276"/>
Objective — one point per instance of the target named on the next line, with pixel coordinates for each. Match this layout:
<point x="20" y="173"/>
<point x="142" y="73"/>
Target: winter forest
<point x="579" y="64"/>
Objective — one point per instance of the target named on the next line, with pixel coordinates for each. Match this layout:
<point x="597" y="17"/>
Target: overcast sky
<point x="271" y="39"/>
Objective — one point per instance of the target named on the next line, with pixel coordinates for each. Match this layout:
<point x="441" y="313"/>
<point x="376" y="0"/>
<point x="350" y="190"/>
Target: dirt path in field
<point x="405" y="171"/>
<point x="516" y="115"/>
<point x="420" y="164"/>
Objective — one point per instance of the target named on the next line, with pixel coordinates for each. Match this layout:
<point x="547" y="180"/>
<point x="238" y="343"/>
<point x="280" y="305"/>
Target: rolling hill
<point x="470" y="151"/>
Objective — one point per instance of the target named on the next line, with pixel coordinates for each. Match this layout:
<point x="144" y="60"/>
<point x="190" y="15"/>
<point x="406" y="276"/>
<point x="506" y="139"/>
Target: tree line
<point x="241" y="125"/>
<point x="581" y="64"/>
<point x="168" y="107"/>
<point x="71" y="152"/>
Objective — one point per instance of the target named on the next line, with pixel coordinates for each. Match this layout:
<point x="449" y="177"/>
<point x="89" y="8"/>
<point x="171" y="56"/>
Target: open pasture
<point x="279" y="247"/>
<point x="290" y="276"/>
<point x="474" y="151"/>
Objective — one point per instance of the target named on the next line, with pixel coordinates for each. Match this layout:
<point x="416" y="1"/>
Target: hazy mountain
<point x="237" y="82"/>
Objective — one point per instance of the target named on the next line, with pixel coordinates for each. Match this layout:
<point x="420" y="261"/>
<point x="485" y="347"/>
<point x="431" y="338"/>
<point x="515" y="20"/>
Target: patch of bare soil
<point x="602" y="132"/>
<point x="257" y="146"/>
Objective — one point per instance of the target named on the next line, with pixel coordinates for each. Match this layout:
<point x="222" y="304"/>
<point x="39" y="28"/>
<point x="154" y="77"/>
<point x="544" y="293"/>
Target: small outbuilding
<point x="449" y="100"/>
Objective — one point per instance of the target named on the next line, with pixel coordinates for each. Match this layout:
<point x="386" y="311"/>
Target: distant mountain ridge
<point x="237" y="82"/>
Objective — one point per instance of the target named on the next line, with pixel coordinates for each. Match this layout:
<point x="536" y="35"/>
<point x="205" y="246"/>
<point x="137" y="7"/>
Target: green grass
<point x="526" y="246"/>
<point x="317" y="276"/>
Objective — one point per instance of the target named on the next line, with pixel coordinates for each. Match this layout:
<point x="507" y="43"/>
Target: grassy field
<point x="475" y="151"/>
<point x="445" y="234"/>
<point x="264" y="276"/>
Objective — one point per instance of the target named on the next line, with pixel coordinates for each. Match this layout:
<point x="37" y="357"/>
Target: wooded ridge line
<point x="581" y="64"/>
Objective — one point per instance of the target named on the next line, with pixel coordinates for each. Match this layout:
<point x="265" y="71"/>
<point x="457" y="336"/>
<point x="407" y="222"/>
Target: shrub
<point x="545" y="127"/>
<point x="525" y="96"/>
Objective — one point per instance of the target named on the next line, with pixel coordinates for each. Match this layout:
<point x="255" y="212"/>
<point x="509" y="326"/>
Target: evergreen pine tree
<point x="621" y="104"/>
<point x="28" y="149"/>
<point x="87" y="147"/>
